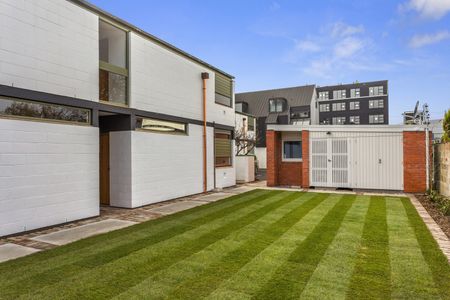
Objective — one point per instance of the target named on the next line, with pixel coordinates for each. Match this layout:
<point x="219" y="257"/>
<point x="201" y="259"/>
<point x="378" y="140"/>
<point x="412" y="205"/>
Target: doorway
<point x="104" y="168"/>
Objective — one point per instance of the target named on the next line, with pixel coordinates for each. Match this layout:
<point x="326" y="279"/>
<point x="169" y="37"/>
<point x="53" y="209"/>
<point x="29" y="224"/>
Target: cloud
<point x="340" y="29"/>
<point x="429" y="9"/>
<point x="348" y="47"/>
<point x="307" y="46"/>
<point x="421" y="40"/>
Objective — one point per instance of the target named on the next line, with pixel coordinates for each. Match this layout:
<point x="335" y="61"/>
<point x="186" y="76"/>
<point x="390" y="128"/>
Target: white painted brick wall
<point x="165" y="82"/>
<point x="48" y="174"/>
<point x="120" y="168"/>
<point x="49" y="46"/>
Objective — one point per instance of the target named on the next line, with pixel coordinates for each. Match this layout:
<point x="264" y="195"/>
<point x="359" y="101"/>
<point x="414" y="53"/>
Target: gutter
<point x="205" y="76"/>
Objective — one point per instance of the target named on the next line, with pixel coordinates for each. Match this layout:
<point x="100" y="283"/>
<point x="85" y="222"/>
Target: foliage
<point x="442" y="202"/>
<point x="446" y="127"/>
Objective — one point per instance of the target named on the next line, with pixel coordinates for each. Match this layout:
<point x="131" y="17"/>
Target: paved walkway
<point x="112" y="218"/>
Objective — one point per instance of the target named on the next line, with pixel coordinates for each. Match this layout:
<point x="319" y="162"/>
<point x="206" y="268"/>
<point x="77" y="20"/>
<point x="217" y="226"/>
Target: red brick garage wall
<point x="414" y="162"/>
<point x="286" y="173"/>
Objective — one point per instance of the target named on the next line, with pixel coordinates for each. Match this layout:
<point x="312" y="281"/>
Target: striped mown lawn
<point x="261" y="244"/>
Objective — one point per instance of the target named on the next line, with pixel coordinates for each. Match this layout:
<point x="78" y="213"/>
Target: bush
<point x="441" y="202"/>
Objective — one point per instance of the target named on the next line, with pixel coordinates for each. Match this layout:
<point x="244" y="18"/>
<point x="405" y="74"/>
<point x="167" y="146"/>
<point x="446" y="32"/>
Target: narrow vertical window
<point x="113" y="53"/>
<point x="223" y="145"/>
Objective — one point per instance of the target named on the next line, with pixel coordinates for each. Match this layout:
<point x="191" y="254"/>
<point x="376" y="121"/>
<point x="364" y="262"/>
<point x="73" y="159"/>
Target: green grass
<point x="261" y="245"/>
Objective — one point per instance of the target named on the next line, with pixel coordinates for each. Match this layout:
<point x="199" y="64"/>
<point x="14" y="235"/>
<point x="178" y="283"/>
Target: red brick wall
<point x="272" y="154"/>
<point x="305" y="155"/>
<point x="290" y="173"/>
<point x="414" y="162"/>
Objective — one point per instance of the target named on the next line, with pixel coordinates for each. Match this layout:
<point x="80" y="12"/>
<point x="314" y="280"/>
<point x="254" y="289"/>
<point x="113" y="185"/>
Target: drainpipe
<point x="205" y="76"/>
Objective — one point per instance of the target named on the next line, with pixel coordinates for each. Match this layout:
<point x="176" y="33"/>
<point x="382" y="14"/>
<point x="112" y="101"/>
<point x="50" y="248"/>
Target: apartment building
<point x="94" y="110"/>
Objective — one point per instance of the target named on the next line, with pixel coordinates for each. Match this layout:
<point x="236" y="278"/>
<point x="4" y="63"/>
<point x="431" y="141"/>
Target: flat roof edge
<point x="93" y="8"/>
<point x="347" y="128"/>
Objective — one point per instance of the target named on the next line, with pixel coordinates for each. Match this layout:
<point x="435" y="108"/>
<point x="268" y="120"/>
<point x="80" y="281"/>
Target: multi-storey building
<point x="96" y="111"/>
<point x="356" y="103"/>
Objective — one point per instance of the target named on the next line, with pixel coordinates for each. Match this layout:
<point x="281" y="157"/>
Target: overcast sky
<point x="272" y="44"/>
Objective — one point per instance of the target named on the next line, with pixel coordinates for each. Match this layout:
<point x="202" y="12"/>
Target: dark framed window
<point x="113" y="53"/>
<point x="251" y="124"/>
<point x="224" y="90"/>
<point x="292" y="150"/>
<point x="26" y="109"/>
<point x="277" y="105"/>
<point x="160" y="126"/>
<point x="354" y="105"/>
<point x="222" y="145"/>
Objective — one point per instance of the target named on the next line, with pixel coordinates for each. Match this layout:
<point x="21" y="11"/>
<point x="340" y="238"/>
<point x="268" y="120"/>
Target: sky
<point x="269" y="44"/>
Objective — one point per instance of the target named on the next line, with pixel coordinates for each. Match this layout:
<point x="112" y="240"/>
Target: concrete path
<point x="66" y="236"/>
<point x="11" y="251"/>
<point x="440" y="237"/>
<point x="175" y="207"/>
<point x="213" y="197"/>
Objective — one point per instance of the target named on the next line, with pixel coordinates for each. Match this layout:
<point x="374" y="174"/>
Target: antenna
<point x="415" y="109"/>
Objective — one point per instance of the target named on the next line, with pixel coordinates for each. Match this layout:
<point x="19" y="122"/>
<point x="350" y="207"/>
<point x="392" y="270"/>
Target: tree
<point x="446" y="127"/>
<point x="245" y="141"/>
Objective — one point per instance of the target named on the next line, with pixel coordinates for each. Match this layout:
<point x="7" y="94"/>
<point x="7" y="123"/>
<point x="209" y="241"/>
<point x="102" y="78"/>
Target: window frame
<point x="376" y="116"/>
<point x="291" y="139"/>
<point x="221" y="95"/>
<point x="341" y="105"/>
<point x="111" y="68"/>
<point x="354" y="123"/>
<point x="184" y="132"/>
<point x="355" y="93"/>
<point x="277" y="101"/>
<point x="46" y="120"/>
<point x="354" y="105"/>
<point x="324" y="95"/>
<point x="224" y="132"/>
<point x="344" y="118"/>
<point x="324" y="105"/>
<point x="376" y="103"/>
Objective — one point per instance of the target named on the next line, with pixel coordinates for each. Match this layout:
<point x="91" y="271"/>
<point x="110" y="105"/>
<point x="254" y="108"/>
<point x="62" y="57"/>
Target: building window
<point x="25" y="109"/>
<point x="339" y="94"/>
<point x="376" y="119"/>
<point x="324" y="95"/>
<point x="338" y="120"/>
<point x="354" y="105"/>
<point x="376" y="91"/>
<point x="354" y="120"/>
<point x="292" y="150"/>
<point x="251" y="124"/>
<point x="339" y="106"/>
<point x="376" y="103"/>
<point x="277" y="105"/>
<point x="161" y="126"/>
<point x="355" y="93"/>
<point x="300" y="115"/>
<point x="324" y="107"/>
<point x="113" y="75"/>
<point x="222" y="144"/>
<point x="224" y="90"/>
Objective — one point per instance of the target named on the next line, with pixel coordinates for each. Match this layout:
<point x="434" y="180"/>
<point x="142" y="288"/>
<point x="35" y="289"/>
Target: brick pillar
<point x="305" y="156"/>
<point x="273" y="154"/>
<point x="414" y="162"/>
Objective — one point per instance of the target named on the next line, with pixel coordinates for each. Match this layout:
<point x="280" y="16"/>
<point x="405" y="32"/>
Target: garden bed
<point x="442" y="220"/>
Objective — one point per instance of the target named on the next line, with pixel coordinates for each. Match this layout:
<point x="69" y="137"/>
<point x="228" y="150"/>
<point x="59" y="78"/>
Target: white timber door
<point x="330" y="162"/>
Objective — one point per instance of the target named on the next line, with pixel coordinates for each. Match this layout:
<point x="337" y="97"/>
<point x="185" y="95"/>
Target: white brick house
<point x="93" y="108"/>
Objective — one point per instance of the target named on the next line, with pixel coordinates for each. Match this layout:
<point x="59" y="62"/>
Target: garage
<point x="356" y="157"/>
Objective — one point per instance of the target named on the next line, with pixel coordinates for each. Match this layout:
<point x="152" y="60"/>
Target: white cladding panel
<point x="364" y="160"/>
<point x="261" y="156"/>
<point x="165" y="82"/>
<point x="48" y="174"/>
<point x="49" y="46"/>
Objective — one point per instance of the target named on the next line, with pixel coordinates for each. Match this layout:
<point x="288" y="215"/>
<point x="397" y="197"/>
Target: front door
<point x="104" y="168"/>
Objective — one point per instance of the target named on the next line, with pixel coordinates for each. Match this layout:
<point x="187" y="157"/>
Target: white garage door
<point x="357" y="160"/>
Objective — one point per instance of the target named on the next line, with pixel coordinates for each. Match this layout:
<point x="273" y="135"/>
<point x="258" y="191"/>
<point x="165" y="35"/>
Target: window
<point x="354" y="105"/>
<point x="251" y="124"/>
<point x="300" y="115"/>
<point x="376" y="119"/>
<point x="224" y="89"/>
<point x="375" y="90"/>
<point x="354" y="120"/>
<point x="339" y="106"/>
<point x="277" y="105"/>
<point x="160" y="126"/>
<point x="339" y="94"/>
<point x="292" y="150"/>
<point x="26" y="109"/>
<point x="355" y="93"/>
<point x="376" y="103"/>
<point x="324" y="95"/>
<point x="324" y="107"/>
<point x="326" y="121"/>
<point x="338" y="120"/>
<point x="113" y="75"/>
<point x="222" y="144"/>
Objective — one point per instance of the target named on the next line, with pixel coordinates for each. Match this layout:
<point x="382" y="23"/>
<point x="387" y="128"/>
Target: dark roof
<point x="91" y="7"/>
<point x="258" y="102"/>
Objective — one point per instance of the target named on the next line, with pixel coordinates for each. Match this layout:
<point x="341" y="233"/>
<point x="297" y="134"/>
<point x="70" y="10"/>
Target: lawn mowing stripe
<point x="410" y="276"/>
<point x="436" y="260"/>
<point x="207" y="281"/>
<point x="290" y="279"/>
<point x="161" y="283"/>
<point x="115" y="277"/>
<point x="371" y="275"/>
<point x="54" y="271"/>
<point x="332" y="276"/>
<point x="258" y="272"/>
